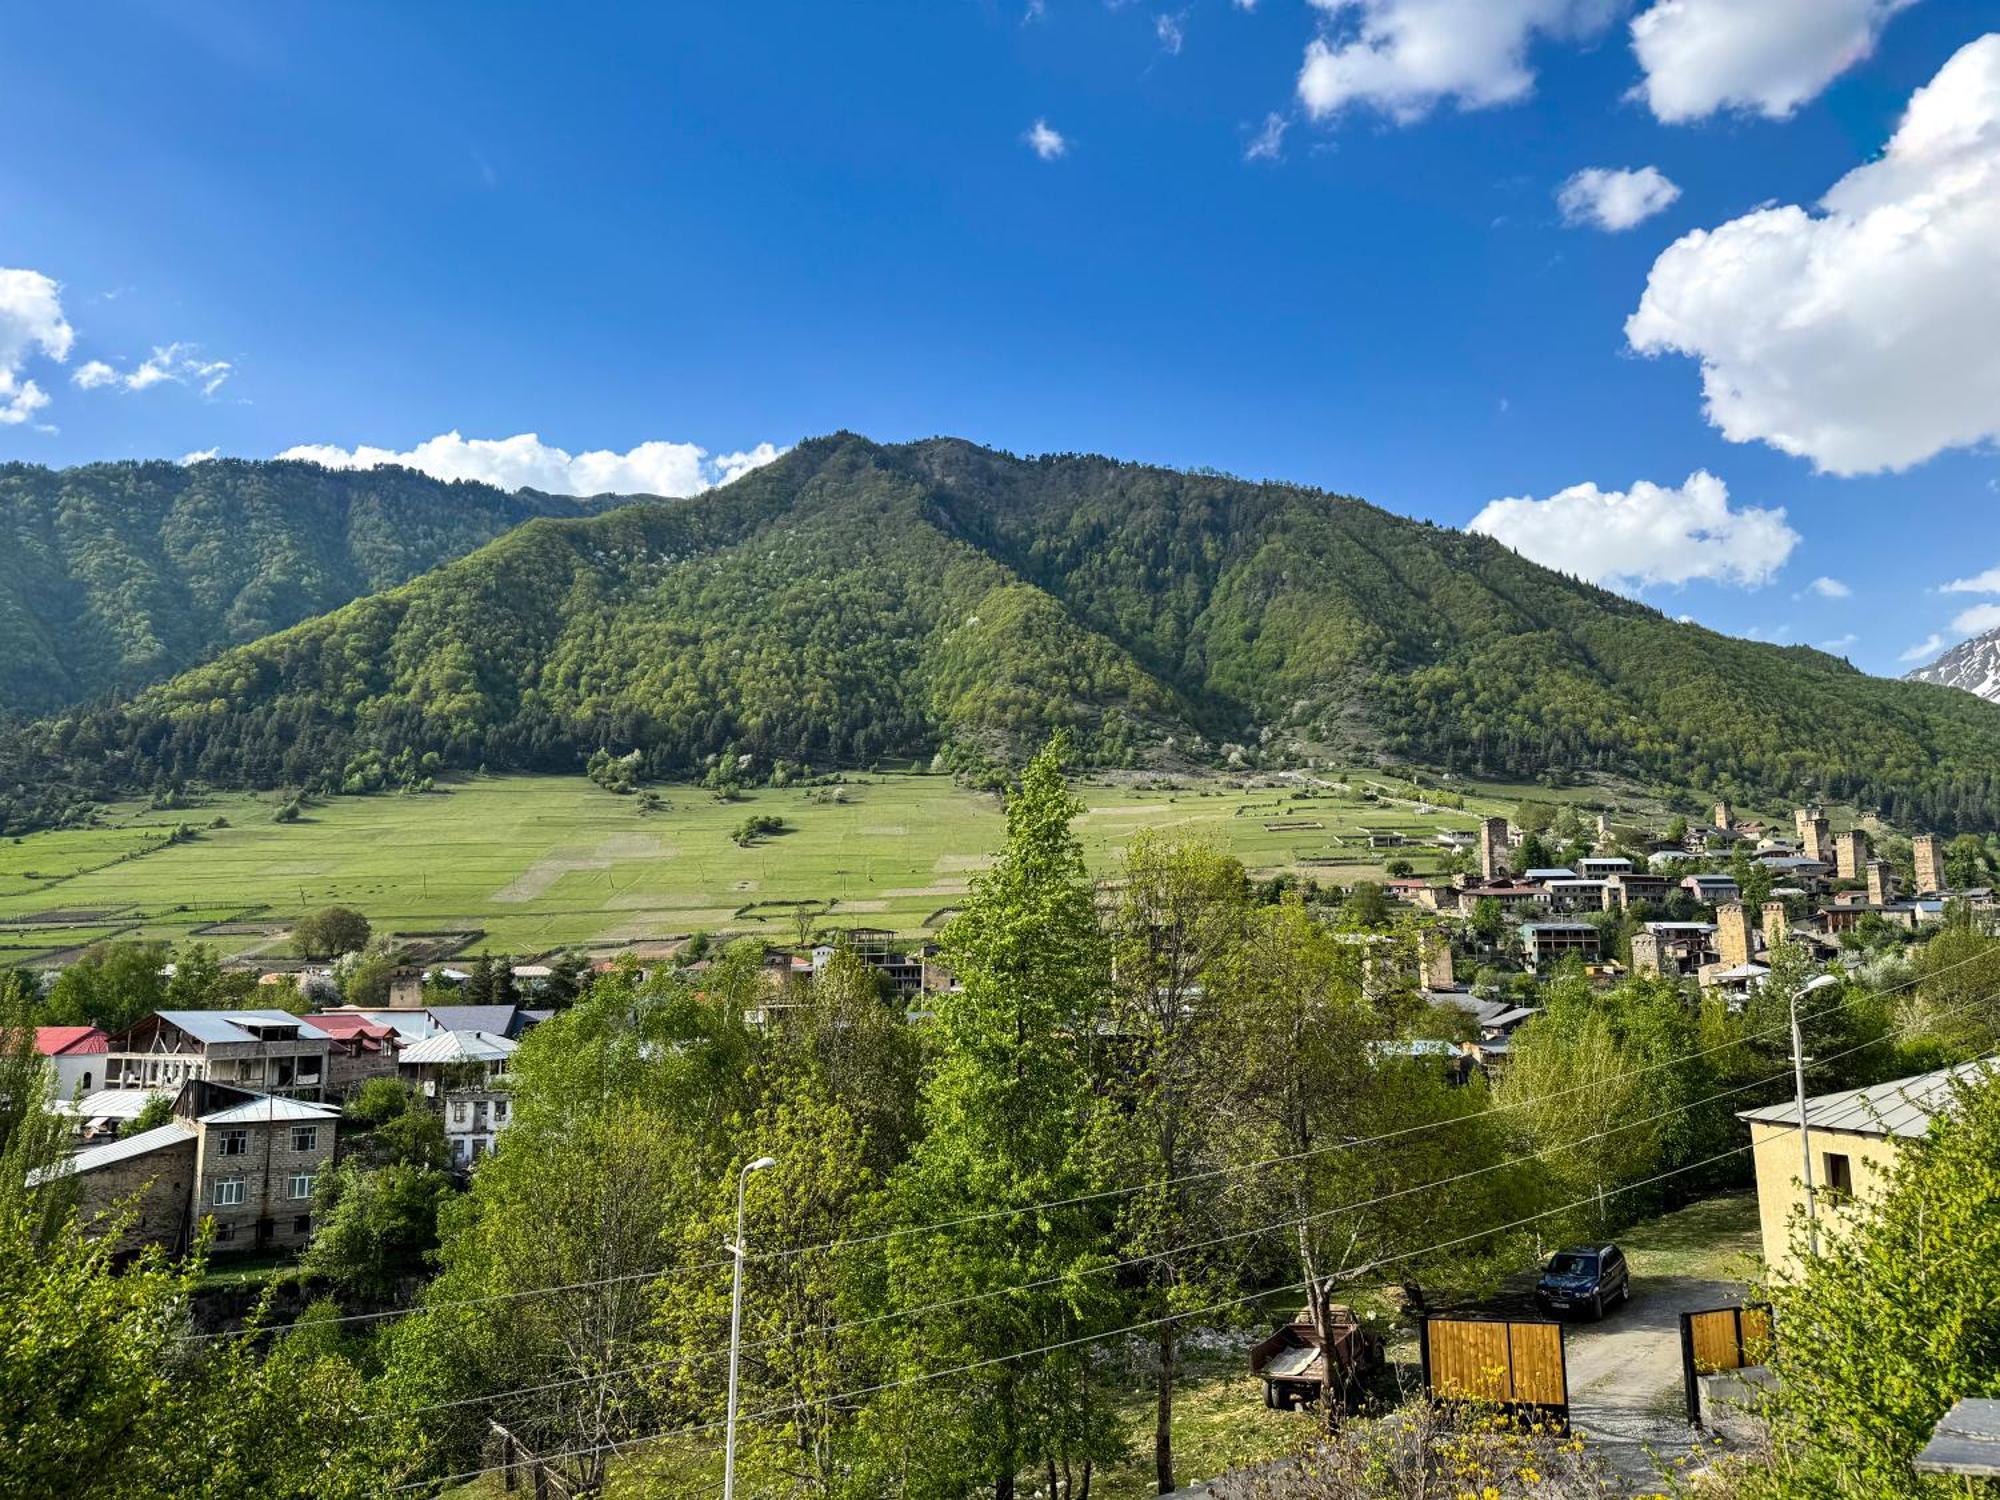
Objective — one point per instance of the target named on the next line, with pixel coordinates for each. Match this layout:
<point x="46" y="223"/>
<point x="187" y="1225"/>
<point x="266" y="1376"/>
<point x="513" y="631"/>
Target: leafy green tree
<point x="375" y="1227"/>
<point x="853" y="1039"/>
<point x="330" y="932"/>
<point x="155" y="1112"/>
<point x="112" y="985"/>
<point x="1005" y="1110"/>
<point x="1182" y="914"/>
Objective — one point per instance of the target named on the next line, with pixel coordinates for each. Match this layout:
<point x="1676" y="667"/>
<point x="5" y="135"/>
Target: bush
<point x="758" y="825"/>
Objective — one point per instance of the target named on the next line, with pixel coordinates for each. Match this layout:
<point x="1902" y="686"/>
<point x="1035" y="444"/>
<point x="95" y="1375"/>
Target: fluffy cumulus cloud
<point x="524" y="461"/>
<point x="1615" y="198"/>
<point x="1830" y="588"/>
<point x="1924" y="649"/>
<point x="1763" y="56"/>
<point x="1866" y="336"/>
<point x="1046" y="141"/>
<point x="1405" y="57"/>
<point x="1977" y="620"/>
<point x="1649" y="534"/>
<point x="175" y="364"/>
<point x="31" y="322"/>
<point x="1979" y="583"/>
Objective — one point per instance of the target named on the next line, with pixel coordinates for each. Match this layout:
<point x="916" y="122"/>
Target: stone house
<point x="262" y="1051"/>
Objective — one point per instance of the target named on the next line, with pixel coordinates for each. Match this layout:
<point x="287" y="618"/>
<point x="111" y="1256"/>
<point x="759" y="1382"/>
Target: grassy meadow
<point x="539" y="862"/>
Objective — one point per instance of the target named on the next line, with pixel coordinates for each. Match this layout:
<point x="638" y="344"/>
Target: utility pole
<point x="1799" y="1094"/>
<point x="736" y="1251"/>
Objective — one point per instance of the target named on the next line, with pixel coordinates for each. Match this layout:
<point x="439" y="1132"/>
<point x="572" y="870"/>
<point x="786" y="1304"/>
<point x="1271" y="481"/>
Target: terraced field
<point x="533" y="863"/>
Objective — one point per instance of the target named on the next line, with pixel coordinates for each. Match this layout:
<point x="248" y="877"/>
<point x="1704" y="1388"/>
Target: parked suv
<point x="1586" y="1280"/>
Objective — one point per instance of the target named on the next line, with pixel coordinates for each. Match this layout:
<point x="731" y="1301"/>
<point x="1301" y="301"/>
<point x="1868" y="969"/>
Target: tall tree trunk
<point x="1163" y="1420"/>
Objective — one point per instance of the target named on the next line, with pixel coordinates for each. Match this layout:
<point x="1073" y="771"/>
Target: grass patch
<point x="1717" y="1239"/>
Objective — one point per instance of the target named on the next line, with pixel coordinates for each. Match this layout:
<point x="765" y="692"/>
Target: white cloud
<point x="31" y="321"/>
<point x="177" y="364"/>
<point x="1046" y="141"/>
<point x="1830" y="588"/>
<point x="1866" y="337"/>
<point x="199" y="456"/>
<point x="1649" y="534"/>
<point x="1405" y="57"/>
<point x="1925" y="649"/>
<point x="1269" y="141"/>
<point x="1762" y="56"/>
<point x="1979" y="583"/>
<point x="1171" y="32"/>
<point x="1839" y="643"/>
<point x="1977" y="620"/>
<point x="525" y="461"/>
<point x="1615" y="198"/>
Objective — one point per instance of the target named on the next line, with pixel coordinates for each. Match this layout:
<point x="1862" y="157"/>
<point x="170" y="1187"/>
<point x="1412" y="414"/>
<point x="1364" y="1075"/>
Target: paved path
<point x="1625" y="1390"/>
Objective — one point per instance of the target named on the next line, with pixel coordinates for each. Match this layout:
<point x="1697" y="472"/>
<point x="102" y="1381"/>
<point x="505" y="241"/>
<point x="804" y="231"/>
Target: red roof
<point x="70" y="1041"/>
<point x="346" y="1025"/>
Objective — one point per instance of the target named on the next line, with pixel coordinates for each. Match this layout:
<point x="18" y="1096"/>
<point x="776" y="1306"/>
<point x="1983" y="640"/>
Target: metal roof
<point x="70" y="1041"/>
<point x="114" y="1104"/>
<point x="269" y="1110"/>
<point x="1902" y="1106"/>
<point x="501" y="1020"/>
<point x="173" y="1133"/>
<point x="1966" y="1440"/>
<point x="209" y="1026"/>
<point x="459" y="1046"/>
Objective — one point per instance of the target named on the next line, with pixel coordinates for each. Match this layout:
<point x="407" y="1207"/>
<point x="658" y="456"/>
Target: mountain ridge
<point x="1972" y="666"/>
<point x="856" y="601"/>
<point x="118" y="575"/>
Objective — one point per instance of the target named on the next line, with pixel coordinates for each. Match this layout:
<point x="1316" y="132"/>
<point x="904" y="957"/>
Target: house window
<point x="224" y="1233"/>
<point x="233" y="1143"/>
<point x="499" y="1110"/>
<point x="1839" y="1174"/>
<point x="228" y="1192"/>
<point x="305" y="1137"/>
<point x="458" y="1114"/>
<point x="302" y="1224"/>
<point x="86" y="1080"/>
<point x="299" y="1185"/>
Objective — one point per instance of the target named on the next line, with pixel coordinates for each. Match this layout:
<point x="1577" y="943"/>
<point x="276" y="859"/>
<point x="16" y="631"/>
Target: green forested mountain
<point x="855" y="601"/>
<point x="118" y="575"/>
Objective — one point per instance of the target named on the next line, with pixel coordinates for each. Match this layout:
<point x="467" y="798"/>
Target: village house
<point x="1854" y="1137"/>
<point x="75" y="1055"/>
<point x="359" y="1049"/>
<point x="1711" y="889"/>
<point x="463" y="1075"/>
<point x="1631" y="888"/>
<point x="1544" y="943"/>
<point x="248" y="1162"/>
<point x="266" y="1051"/>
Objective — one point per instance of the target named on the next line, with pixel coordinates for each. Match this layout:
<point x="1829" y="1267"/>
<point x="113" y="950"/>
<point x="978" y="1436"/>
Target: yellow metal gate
<point x="1721" y="1338"/>
<point x="1513" y="1364"/>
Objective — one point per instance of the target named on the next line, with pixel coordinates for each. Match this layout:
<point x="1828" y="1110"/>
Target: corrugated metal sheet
<point x="265" y="1111"/>
<point x="146" y="1141"/>
<point x="459" y="1046"/>
<point x="1903" y="1106"/>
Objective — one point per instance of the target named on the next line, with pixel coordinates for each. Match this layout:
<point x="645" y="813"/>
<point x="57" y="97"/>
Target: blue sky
<point x="733" y="225"/>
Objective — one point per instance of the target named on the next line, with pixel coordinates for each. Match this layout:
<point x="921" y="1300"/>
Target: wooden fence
<point x="1514" y="1364"/>
<point x="516" y="1463"/>
<point x="1721" y="1338"/>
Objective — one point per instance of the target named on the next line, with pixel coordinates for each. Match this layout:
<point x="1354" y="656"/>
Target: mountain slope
<point x="1973" y="665"/>
<point x="855" y="601"/>
<point x="117" y="575"/>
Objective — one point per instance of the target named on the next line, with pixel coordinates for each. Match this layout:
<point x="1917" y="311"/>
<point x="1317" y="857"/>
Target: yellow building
<point x="1854" y="1137"/>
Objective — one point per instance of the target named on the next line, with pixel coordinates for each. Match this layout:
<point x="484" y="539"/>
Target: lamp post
<point x="1819" y="982"/>
<point x="736" y="1328"/>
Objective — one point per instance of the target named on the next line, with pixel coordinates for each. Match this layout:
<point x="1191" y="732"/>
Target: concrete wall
<point x="1775" y="1150"/>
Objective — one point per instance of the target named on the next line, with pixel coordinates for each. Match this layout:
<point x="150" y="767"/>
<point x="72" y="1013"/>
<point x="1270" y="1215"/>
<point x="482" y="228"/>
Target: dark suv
<point x="1586" y="1280"/>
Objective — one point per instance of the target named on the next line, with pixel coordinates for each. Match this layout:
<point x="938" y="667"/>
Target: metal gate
<point x="1514" y="1364"/>
<point x="1721" y="1338"/>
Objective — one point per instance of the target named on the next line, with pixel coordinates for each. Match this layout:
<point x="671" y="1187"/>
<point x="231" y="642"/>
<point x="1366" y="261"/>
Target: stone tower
<point x="1813" y="840"/>
<point x="1929" y="855"/>
<point x="1492" y="848"/>
<point x="1777" y="925"/>
<point x="1881" y="882"/>
<point x="1645" y="953"/>
<point x="1850" y="855"/>
<point x="1732" y="935"/>
<point x="1722" y="818"/>
<point x="1434" y="964"/>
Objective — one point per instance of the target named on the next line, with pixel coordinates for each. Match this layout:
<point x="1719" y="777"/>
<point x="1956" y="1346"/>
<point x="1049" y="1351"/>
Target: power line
<point x="1184" y="1248"/>
<point x="1140" y="1327"/>
<point x="1092" y="1197"/>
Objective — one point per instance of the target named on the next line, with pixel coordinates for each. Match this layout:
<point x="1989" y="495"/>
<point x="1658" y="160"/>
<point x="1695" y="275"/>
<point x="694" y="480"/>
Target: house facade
<point x="263" y="1051"/>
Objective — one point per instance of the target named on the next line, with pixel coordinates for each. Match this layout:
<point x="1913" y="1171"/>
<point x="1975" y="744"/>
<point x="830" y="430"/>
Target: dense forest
<point x="115" y="576"/>
<point x="853" y="602"/>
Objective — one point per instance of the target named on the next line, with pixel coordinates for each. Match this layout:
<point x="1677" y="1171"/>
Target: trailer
<point x="1295" y="1366"/>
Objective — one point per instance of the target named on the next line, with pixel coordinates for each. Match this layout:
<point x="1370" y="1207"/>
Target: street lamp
<point x="736" y="1328"/>
<point x="1818" y="982"/>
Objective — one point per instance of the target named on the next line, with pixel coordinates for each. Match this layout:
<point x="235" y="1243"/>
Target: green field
<point x="534" y="863"/>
